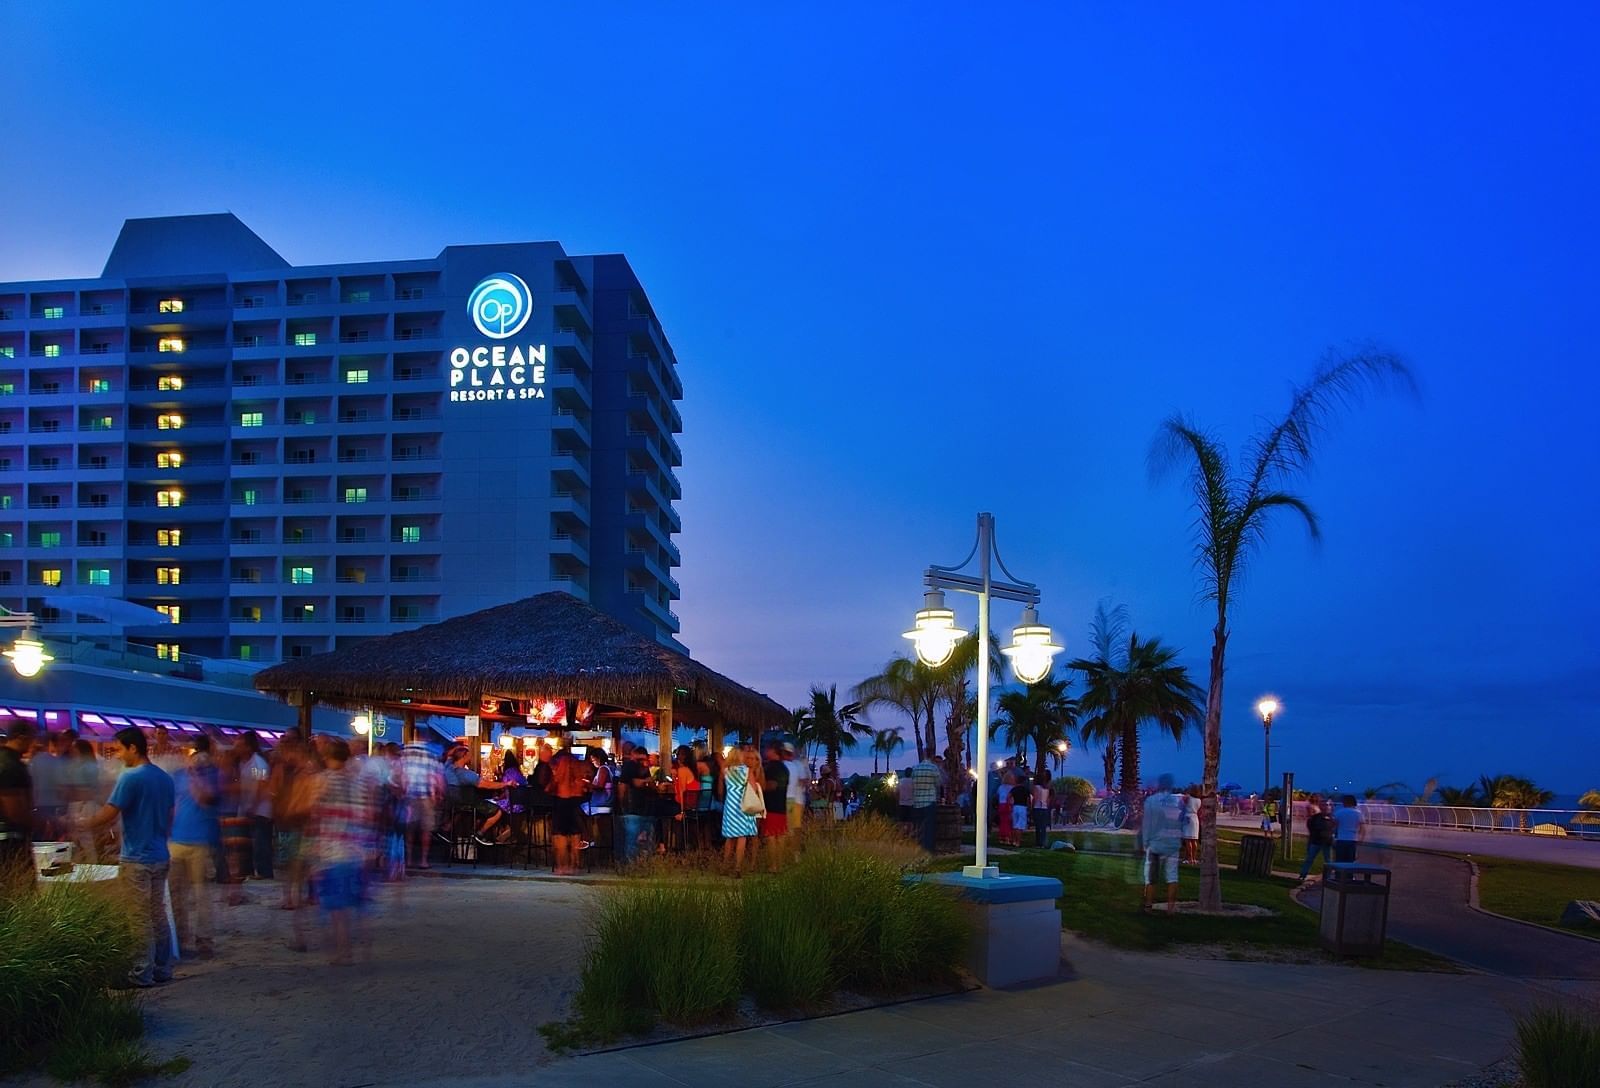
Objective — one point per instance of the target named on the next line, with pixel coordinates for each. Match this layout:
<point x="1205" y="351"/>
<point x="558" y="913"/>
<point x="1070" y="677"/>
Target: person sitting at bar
<point x="502" y="806"/>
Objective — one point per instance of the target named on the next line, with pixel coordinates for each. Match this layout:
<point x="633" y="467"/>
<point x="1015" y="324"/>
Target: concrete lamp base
<point x="1017" y="936"/>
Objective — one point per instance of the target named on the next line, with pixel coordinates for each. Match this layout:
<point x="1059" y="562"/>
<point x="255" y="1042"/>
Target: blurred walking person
<point x="196" y="831"/>
<point x="743" y="803"/>
<point x="16" y="808"/>
<point x="255" y="801"/>
<point x="83" y="799"/>
<point x="341" y="835"/>
<point x="1319" y="835"/>
<point x="143" y="800"/>
<point x="422" y="782"/>
<point x="569" y="783"/>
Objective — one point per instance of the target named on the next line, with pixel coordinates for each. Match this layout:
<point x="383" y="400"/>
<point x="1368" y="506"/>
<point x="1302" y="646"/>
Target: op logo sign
<point x="500" y="305"/>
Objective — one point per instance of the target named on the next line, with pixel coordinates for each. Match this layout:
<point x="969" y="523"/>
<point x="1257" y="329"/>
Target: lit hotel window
<point x="54" y="313"/>
<point x="169" y="498"/>
<point x="99" y="385"/>
<point x="169" y="382"/>
<point x="355" y="377"/>
<point x="170" y="343"/>
<point x="169" y="538"/>
<point x="168" y="651"/>
<point x="50" y="577"/>
<point x="100" y="423"/>
<point x="50" y="539"/>
<point x="169" y="459"/>
<point x="300" y="576"/>
<point x="250" y="419"/>
<point x="9" y="352"/>
<point x="169" y="576"/>
<point x="52" y="351"/>
<point x="410" y="534"/>
<point x="171" y="306"/>
<point x="173" y="612"/>
<point x="305" y="339"/>
<point x="358" y="296"/>
<point x="355" y="494"/>
<point x="169" y="421"/>
<point x="248" y="496"/>
<point x="308" y="612"/>
<point x="247" y="650"/>
<point x="100" y="576"/>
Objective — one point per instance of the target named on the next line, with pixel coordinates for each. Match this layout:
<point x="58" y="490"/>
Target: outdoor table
<point x="81" y="873"/>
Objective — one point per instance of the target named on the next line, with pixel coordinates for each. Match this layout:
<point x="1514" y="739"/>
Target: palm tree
<point x="1234" y="511"/>
<point x="1590" y="803"/>
<point x="832" y="727"/>
<point x="1041" y="713"/>
<point x="909" y="686"/>
<point x="1459" y="797"/>
<point x="1510" y="791"/>
<point x="886" y="742"/>
<point x="1106" y="632"/>
<point x="1132" y="686"/>
<point x="961" y="708"/>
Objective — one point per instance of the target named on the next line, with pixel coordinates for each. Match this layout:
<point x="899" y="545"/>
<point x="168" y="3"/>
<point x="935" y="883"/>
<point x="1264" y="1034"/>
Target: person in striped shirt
<point x="341" y="834"/>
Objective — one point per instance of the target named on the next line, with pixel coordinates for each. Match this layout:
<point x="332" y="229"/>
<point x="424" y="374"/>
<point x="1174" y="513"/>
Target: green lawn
<point x="1101" y="899"/>
<point x="1534" y="891"/>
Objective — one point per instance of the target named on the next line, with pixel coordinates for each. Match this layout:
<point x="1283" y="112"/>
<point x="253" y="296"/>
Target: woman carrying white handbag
<point x="742" y="805"/>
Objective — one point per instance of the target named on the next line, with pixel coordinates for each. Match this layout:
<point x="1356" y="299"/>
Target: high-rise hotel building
<point x="283" y="459"/>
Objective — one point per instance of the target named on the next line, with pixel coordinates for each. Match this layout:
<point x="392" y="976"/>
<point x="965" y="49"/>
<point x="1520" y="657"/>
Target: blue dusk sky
<point x="921" y="260"/>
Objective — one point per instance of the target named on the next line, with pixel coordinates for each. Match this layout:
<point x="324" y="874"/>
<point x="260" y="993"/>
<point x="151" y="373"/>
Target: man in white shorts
<point x="1160" y="833"/>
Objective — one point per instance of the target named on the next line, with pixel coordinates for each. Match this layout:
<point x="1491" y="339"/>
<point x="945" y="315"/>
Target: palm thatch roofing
<point x="549" y="646"/>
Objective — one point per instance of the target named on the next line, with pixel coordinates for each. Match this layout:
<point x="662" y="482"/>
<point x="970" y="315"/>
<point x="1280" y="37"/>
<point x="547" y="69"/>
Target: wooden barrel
<point x="947" y="829"/>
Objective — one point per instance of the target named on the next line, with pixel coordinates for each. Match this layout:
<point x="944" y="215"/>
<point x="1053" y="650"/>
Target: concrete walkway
<point x="1429" y="907"/>
<point x="1116" y="1019"/>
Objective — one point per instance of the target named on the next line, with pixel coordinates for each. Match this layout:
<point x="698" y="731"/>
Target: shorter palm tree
<point x="1040" y="713"/>
<point x="886" y="742"/>
<point x="1459" y="796"/>
<point x="832" y="727"/>
<point x="1590" y="803"/>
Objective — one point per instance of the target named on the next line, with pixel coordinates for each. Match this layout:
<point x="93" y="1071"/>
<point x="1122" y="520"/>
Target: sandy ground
<point x="455" y="977"/>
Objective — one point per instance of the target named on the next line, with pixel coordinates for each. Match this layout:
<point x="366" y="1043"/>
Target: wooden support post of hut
<point x="475" y="742"/>
<point x="664" y="725"/>
<point x="408" y="734"/>
<point x="307" y="702"/>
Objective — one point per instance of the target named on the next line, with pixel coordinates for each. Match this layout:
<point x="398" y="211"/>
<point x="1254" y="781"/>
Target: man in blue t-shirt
<point x="196" y="833"/>
<point x="143" y="799"/>
<point x="1347" y="829"/>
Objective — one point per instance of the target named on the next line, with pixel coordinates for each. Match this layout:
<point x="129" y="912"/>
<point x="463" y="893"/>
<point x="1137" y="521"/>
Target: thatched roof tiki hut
<point x="497" y="662"/>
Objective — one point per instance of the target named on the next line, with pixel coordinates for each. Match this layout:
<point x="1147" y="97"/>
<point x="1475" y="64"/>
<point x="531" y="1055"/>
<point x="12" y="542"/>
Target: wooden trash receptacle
<point x="1255" y="855"/>
<point x="947" y="829"/>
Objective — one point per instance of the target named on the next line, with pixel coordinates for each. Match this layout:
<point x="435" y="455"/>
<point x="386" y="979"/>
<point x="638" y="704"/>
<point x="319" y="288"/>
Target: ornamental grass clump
<point x="61" y="946"/>
<point x="787" y="964"/>
<point x="1558" y="1046"/>
<point x="660" y="949"/>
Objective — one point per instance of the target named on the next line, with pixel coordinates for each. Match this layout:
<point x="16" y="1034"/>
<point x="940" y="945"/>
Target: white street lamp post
<point x="935" y="636"/>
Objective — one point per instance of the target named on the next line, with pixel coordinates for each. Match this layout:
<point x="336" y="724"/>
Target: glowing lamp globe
<point x="362" y="724"/>
<point x="1032" y="648"/>
<point x="935" y="633"/>
<point x="27" y="656"/>
<point x="1267" y="707"/>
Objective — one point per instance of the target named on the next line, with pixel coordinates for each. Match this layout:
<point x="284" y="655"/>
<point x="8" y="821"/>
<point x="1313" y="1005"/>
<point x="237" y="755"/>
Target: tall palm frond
<point x="1232" y="514"/>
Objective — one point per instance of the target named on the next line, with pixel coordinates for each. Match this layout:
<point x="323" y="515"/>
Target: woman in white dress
<point x="1191" y="826"/>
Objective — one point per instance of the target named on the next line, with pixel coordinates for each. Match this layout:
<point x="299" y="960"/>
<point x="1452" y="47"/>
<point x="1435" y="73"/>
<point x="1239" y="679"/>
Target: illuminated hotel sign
<point x="500" y="306"/>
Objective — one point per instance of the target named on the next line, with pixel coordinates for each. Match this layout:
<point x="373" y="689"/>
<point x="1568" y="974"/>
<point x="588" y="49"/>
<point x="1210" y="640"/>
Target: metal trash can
<point x="1255" y="855"/>
<point x="1355" y="908"/>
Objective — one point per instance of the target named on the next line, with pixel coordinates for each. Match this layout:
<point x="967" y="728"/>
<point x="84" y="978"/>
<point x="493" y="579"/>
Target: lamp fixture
<point x="935" y="633"/>
<point x="1032" y="647"/>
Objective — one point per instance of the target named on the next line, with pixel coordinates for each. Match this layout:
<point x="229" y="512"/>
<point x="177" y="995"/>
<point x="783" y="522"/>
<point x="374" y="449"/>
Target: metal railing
<point x="1559" y="822"/>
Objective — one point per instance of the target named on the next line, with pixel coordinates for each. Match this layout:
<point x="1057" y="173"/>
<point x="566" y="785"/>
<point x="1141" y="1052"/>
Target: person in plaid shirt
<point x="341" y="830"/>
<point x="925" y="777"/>
<point x="422" y="785"/>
